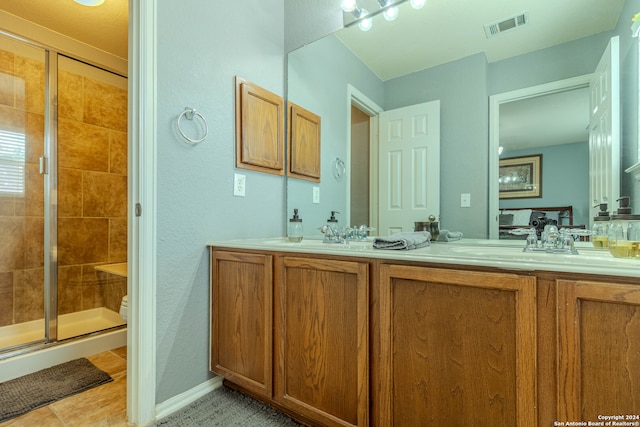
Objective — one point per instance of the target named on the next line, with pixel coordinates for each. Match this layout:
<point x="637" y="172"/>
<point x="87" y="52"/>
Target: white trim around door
<point x="141" y="337"/>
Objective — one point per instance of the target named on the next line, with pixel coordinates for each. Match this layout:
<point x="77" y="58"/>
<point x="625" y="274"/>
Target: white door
<point x="409" y="167"/>
<point x="604" y="130"/>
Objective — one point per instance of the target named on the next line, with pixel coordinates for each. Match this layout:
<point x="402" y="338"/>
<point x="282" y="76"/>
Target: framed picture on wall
<point x="520" y="177"/>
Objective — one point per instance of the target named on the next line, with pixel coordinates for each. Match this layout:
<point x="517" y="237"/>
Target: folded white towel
<point x="403" y="241"/>
<point x="449" y="236"/>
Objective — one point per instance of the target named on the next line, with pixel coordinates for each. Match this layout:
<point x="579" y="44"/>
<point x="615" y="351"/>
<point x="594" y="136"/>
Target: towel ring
<point x="339" y="169"/>
<point x="190" y="113"/>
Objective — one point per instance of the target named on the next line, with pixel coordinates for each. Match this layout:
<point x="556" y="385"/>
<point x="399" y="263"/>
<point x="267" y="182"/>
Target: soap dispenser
<point x="333" y="221"/>
<point x="624" y="235"/>
<point x="294" y="234"/>
<point x="600" y="229"/>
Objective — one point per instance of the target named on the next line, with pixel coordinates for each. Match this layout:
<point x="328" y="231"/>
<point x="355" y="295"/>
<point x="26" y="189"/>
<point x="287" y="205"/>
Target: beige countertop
<point x="506" y="254"/>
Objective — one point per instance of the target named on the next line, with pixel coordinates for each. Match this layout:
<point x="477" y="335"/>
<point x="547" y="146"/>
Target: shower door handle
<point x="44" y="165"/>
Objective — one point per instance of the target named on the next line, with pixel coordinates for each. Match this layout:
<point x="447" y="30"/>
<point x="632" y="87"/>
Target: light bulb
<point x="391" y="13"/>
<point x="417" y="4"/>
<point x="348" y="5"/>
<point x="365" y="24"/>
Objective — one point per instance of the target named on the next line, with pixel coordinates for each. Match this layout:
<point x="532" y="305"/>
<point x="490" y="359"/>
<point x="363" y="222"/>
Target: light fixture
<point x="346" y="5"/>
<point x="388" y="8"/>
<point x="90" y="2"/>
<point x="500" y="149"/>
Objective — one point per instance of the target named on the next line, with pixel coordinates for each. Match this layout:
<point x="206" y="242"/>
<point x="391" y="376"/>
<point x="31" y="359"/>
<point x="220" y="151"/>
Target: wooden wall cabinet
<point x="321" y="335"/>
<point x="598" y="350"/>
<point x="304" y="144"/>
<point x="242" y="319"/>
<point x="456" y="347"/>
<point x="259" y="129"/>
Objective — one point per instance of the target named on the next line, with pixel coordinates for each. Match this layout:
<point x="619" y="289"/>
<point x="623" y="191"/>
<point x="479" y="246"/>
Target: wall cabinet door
<point x="321" y="327"/>
<point x="599" y="350"/>
<point x="457" y="348"/>
<point x="241" y="319"/>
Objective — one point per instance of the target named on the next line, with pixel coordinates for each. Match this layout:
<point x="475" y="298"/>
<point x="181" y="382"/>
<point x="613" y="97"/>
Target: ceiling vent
<point x="513" y="22"/>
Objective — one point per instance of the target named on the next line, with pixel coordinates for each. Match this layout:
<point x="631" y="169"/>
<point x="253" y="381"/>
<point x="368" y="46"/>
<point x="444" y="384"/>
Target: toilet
<point x="124" y="308"/>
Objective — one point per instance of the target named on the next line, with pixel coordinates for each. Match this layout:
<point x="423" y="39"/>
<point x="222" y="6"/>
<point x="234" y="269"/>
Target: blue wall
<point x="318" y="75"/>
<point x="565" y="178"/>
<point x="461" y="87"/>
<point x="202" y="46"/>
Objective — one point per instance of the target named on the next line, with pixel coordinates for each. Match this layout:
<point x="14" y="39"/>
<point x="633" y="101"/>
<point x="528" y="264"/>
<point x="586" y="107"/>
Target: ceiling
<point x="559" y="118"/>
<point x="442" y="31"/>
<point x="103" y="27"/>
<point x="447" y="30"/>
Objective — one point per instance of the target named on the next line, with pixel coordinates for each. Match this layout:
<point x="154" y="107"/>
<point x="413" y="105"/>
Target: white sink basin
<point x="316" y="243"/>
<point x="517" y="254"/>
<point x="284" y="242"/>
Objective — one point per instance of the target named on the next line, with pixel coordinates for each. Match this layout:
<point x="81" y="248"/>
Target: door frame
<point x="143" y="117"/>
<point x="494" y="133"/>
<point x="369" y="107"/>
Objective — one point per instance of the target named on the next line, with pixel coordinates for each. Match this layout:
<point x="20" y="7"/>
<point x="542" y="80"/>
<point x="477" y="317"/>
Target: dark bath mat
<point x="227" y="408"/>
<point x="24" y="394"/>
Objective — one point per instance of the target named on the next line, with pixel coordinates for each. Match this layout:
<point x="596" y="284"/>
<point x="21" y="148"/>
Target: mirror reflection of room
<point x="395" y="65"/>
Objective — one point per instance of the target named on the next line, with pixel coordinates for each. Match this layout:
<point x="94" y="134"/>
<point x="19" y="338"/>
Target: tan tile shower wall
<point x="92" y="192"/>
<point x="92" y="197"/>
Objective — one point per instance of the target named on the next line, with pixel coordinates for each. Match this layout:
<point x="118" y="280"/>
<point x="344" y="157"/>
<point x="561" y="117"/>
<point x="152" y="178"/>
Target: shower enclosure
<point x="63" y="197"/>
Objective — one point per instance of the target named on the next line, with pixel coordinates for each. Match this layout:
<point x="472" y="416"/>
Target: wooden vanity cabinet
<point x="316" y="366"/>
<point x="344" y="341"/>
<point x="242" y="319"/>
<point x="457" y="348"/>
<point x="321" y="336"/>
<point x="598" y="350"/>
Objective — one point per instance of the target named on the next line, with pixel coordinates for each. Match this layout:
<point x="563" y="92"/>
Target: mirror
<point x="326" y="78"/>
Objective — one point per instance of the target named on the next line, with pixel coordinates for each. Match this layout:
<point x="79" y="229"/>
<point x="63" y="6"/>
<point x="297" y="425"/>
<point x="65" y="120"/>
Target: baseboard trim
<point x="178" y="402"/>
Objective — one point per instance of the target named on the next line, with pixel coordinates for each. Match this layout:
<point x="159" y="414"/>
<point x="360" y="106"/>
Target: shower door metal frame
<point x="49" y="170"/>
<point x="49" y="167"/>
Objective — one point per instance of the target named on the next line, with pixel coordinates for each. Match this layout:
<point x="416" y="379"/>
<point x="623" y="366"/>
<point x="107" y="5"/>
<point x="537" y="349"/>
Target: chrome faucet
<point x="361" y="233"/>
<point x="552" y="240"/>
<point x="333" y="234"/>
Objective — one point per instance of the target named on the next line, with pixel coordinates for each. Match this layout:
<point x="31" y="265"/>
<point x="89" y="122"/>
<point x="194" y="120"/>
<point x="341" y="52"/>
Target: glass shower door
<point x="92" y="197"/>
<point x="63" y="197"/>
<point x="22" y="200"/>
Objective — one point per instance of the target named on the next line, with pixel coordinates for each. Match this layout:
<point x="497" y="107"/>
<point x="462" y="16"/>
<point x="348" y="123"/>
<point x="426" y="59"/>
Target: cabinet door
<point x="304" y="144"/>
<point x="322" y="339"/>
<point x="241" y="319"/>
<point x="599" y="350"/>
<point x="457" y="348"/>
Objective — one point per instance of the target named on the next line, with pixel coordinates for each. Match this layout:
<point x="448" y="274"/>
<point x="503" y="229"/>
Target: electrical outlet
<point x="239" y="184"/>
<point x="316" y="194"/>
<point x="465" y="200"/>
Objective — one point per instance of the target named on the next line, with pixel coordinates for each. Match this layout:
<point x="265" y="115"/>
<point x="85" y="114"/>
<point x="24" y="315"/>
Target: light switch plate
<point x="316" y="194"/>
<point x="465" y="200"/>
<point x="239" y="184"/>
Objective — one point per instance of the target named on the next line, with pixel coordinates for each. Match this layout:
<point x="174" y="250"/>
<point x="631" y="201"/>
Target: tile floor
<point x="102" y="406"/>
